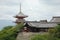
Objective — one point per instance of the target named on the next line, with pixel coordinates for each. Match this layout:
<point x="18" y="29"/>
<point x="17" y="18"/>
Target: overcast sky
<point x="35" y="9"/>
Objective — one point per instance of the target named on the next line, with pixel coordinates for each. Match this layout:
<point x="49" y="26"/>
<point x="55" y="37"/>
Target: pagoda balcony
<point x="19" y="20"/>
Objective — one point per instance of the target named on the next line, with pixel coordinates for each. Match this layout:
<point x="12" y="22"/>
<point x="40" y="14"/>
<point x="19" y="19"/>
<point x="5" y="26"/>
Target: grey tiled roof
<point x="55" y="19"/>
<point x="43" y="25"/>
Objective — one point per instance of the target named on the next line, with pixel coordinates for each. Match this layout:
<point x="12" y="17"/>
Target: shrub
<point x="39" y="37"/>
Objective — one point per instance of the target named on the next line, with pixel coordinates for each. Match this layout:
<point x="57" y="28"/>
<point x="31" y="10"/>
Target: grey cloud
<point x="53" y="2"/>
<point x="43" y="8"/>
<point x="9" y="2"/>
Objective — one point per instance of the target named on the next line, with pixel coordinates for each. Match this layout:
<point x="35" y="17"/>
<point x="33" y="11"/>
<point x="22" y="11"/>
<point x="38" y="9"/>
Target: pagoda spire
<point x="20" y="6"/>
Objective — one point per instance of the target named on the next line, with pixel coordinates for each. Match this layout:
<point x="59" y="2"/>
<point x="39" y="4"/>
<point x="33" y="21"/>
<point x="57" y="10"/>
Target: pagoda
<point x="20" y="17"/>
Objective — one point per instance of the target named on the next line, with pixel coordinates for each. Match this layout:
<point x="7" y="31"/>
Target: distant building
<point x="36" y="26"/>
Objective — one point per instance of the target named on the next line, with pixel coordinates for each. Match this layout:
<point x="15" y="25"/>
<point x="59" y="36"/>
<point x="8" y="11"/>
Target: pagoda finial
<point x="20" y="6"/>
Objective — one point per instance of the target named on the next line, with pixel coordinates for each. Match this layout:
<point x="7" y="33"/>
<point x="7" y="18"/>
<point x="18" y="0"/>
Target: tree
<point x="54" y="34"/>
<point x="10" y="32"/>
<point x="57" y="32"/>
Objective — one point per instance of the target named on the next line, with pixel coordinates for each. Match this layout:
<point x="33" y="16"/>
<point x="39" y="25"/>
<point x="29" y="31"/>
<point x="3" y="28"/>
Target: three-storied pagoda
<point x="20" y="17"/>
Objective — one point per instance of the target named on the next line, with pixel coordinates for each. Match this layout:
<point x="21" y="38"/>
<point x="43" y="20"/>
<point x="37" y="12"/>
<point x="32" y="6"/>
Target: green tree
<point x="54" y="34"/>
<point x="10" y="32"/>
<point x="39" y="37"/>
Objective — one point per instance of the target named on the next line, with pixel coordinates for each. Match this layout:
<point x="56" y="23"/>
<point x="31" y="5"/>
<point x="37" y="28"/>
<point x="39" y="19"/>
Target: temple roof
<point x="55" y="19"/>
<point x="43" y="25"/>
<point x="21" y="15"/>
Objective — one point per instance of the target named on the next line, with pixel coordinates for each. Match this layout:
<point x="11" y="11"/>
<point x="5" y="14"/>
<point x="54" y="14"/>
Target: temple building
<point x="36" y="26"/>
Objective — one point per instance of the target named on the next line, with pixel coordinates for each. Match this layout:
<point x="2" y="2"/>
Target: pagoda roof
<point x="21" y="15"/>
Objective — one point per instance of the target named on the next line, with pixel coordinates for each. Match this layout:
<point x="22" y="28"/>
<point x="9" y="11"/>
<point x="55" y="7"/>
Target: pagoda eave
<point x="21" y="16"/>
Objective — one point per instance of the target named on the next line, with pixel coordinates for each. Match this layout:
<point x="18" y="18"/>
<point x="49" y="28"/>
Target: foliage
<point x="10" y="32"/>
<point x="54" y="34"/>
<point x="39" y="37"/>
